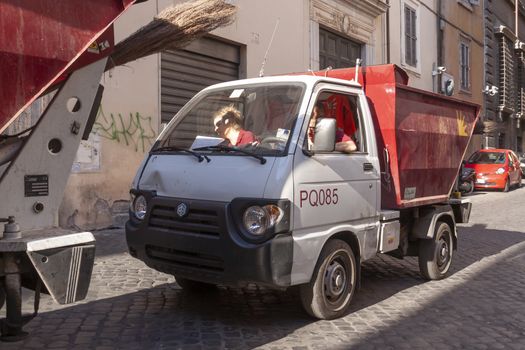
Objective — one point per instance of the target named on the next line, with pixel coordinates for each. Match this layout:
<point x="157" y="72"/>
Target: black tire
<point x="471" y="189"/>
<point x="507" y="185"/>
<point x="194" y="286"/>
<point x="435" y="255"/>
<point x="333" y="284"/>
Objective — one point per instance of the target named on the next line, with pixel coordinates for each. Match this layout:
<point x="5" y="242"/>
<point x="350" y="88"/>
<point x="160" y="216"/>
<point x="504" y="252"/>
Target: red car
<point x="495" y="168"/>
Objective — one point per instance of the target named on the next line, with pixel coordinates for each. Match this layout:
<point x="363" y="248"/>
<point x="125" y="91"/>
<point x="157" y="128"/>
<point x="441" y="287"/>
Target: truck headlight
<point x="500" y="171"/>
<point x="140" y="207"/>
<point x="257" y="220"/>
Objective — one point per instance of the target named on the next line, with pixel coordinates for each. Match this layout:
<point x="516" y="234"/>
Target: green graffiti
<point x="136" y="132"/>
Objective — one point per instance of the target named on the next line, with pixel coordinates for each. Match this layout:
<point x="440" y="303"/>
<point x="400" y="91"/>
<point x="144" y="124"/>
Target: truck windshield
<point x="255" y="118"/>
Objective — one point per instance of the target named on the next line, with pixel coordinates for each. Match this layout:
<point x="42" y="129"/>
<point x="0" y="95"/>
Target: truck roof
<point x="307" y="79"/>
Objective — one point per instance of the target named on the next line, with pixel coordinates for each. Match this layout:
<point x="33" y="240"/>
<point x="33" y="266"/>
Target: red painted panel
<point x="426" y="135"/>
<point x="40" y="39"/>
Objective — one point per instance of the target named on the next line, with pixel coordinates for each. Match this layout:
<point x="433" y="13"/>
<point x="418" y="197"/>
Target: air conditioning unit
<point x="447" y="84"/>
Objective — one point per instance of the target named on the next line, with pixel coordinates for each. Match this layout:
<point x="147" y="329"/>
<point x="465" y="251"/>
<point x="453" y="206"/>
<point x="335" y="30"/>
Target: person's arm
<point x="346" y="146"/>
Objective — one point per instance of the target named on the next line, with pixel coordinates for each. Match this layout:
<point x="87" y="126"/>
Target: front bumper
<point x="490" y="181"/>
<point x="205" y="246"/>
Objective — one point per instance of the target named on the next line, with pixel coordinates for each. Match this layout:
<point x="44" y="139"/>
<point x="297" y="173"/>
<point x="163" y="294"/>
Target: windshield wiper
<point x="231" y="149"/>
<point x="197" y="155"/>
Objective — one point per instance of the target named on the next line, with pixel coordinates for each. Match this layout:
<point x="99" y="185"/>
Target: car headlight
<point x="500" y="171"/>
<point x="139" y="207"/>
<point x="258" y="220"/>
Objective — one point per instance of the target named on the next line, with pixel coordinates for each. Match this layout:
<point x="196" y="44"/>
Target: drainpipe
<point x="515" y="122"/>
<point x="516" y="15"/>
<point x="486" y="136"/>
<point x="439" y="44"/>
<point x="388" y="32"/>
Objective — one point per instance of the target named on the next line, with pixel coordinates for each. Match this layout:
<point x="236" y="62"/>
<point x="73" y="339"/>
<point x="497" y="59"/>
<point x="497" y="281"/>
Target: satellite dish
<point x="449" y="87"/>
<point x="447" y="84"/>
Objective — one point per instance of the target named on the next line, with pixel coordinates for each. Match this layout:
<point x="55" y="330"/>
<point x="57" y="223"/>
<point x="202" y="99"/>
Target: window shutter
<point x="410" y="36"/>
<point x="414" y="35"/>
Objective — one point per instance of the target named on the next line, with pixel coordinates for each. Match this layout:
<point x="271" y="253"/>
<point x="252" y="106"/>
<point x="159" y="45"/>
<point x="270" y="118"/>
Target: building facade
<point x="504" y="74"/>
<point x="411" y="38"/>
<point x="440" y="45"/>
<point x="141" y="96"/>
<point x="460" y="52"/>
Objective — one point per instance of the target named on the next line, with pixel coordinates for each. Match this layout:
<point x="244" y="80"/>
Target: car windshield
<point x="256" y="118"/>
<point x="487" y="158"/>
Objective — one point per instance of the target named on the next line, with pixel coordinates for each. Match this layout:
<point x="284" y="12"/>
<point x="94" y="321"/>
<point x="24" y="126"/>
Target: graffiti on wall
<point x="136" y="131"/>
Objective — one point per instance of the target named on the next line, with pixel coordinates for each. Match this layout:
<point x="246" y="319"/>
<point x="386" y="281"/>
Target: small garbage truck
<point x="296" y="180"/>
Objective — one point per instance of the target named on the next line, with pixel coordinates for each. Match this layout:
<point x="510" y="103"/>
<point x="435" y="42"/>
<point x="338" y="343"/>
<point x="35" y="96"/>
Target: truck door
<point x="337" y="191"/>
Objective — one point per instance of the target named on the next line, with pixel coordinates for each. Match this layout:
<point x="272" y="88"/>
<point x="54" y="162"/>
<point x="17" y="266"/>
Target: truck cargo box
<point x="422" y="136"/>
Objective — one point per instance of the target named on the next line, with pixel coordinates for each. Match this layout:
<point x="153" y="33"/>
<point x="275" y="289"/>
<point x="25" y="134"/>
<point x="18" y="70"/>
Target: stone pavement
<point x="480" y="306"/>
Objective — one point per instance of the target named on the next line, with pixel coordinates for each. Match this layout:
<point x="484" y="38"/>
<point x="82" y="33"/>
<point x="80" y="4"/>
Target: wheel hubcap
<point x="335" y="280"/>
<point x="443" y="254"/>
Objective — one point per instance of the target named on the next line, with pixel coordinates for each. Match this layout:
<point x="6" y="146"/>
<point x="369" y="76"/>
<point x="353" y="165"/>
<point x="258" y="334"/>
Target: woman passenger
<point x="228" y="121"/>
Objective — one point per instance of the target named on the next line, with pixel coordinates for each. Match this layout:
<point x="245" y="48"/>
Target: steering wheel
<point x="273" y="142"/>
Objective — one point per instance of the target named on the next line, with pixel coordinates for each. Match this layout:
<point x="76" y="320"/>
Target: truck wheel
<point x="472" y="186"/>
<point x="329" y="293"/>
<point x="194" y="286"/>
<point x="435" y="255"/>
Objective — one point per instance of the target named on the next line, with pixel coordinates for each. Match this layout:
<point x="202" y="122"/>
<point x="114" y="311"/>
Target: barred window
<point x="520" y="81"/>
<point x="507" y="74"/>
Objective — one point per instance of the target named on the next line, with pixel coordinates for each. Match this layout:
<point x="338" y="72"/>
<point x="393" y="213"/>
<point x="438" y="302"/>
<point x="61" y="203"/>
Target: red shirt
<point x="244" y="137"/>
<point x="338" y="107"/>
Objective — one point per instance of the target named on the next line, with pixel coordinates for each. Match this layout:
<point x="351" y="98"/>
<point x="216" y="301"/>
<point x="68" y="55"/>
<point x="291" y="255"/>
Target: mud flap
<point x="66" y="272"/>
<point x="461" y="209"/>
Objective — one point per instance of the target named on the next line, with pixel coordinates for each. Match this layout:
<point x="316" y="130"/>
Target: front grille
<point x="186" y="259"/>
<point x="202" y="221"/>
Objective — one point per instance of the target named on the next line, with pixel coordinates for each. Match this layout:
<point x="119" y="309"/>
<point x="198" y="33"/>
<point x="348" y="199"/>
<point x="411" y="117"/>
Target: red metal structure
<point x="43" y="44"/>
<point x="424" y="135"/>
<point x="41" y="40"/>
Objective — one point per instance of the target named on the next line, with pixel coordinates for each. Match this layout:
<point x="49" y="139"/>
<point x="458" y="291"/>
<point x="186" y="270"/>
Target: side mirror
<point x="325" y="135"/>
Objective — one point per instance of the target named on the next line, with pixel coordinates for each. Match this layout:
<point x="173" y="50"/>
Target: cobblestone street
<point x="480" y="306"/>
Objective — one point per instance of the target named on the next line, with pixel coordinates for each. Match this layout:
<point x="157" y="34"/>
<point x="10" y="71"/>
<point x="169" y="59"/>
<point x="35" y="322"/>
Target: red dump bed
<point x="40" y="40"/>
<point x="422" y="136"/>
